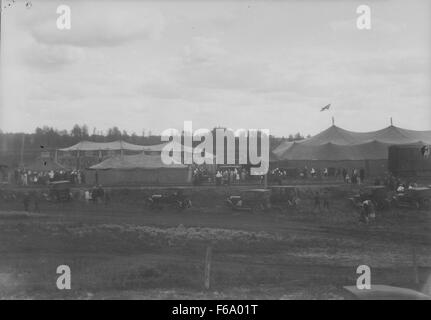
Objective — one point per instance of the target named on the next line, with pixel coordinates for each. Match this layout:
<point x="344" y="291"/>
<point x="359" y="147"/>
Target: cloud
<point x="405" y="63"/>
<point x="216" y="64"/>
<point x="206" y="64"/>
<point x="203" y="51"/>
<point x="96" y="25"/>
<point x="46" y="57"/>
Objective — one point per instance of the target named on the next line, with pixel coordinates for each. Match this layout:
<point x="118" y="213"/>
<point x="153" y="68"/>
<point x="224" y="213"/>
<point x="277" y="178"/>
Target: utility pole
<point x="22" y="151"/>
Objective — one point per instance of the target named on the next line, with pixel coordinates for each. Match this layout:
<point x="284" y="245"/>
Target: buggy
<point x="250" y="200"/>
<point x="173" y="198"/>
<point x="379" y="195"/>
<point x="59" y="191"/>
<point x="418" y="198"/>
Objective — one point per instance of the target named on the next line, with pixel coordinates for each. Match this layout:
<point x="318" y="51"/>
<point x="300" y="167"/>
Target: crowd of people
<point x="230" y="176"/>
<point x="354" y="176"/>
<point x="237" y="175"/>
<point x="25" y="177"/>
<point x="222" y="176"/>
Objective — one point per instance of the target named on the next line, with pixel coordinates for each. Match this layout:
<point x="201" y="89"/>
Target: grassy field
<point x="123" y="250"/>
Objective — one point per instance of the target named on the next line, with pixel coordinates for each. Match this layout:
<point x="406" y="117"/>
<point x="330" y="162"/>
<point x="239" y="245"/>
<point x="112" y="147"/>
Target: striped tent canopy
<point x="103" y="146"/>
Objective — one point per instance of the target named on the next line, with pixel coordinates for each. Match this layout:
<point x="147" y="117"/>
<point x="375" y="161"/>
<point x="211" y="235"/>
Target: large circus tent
<point x="336" y="147"/>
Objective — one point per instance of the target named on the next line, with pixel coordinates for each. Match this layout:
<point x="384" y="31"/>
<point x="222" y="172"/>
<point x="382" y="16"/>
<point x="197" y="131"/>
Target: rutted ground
<point x="123" y="251"/>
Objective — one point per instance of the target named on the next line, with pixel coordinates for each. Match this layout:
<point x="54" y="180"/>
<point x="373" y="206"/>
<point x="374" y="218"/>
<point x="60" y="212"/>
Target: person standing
<point x="225" y="177"/>
<point x="325" y="172"/>
<point x="218" y="178"/>
<point x="313" y="172"/>
<point x="87" y="196"/>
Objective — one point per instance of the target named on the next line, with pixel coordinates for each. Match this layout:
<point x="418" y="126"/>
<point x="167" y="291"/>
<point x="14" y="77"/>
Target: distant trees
<point x="295" y="137"/>
<point x="47" y="138"/>
<point x="80" y="132"/>
<point x="114" y="133"/>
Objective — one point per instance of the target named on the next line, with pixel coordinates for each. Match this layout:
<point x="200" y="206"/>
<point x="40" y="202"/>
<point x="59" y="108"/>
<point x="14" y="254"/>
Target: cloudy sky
<point x="241" y="64"/>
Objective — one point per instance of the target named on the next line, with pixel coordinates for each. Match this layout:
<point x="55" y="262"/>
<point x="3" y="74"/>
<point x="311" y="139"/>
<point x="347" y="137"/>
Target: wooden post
<point x="415" y="267"/>
<point x="78" y="162"/>
<point x="208" y="268"/>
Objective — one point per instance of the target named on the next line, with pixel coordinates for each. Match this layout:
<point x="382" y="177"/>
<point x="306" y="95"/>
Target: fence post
<point x="415" y="266"/>
<point x="208" y="267"/>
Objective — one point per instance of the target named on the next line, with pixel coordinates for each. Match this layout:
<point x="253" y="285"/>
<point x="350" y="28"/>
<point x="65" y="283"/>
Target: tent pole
<point x="77" y="160"/>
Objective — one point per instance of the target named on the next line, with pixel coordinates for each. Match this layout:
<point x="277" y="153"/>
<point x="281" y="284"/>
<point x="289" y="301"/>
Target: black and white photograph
<point x="233" y="152"/>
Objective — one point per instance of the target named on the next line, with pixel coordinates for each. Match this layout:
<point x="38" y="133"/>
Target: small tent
<point x="137" y="169"/>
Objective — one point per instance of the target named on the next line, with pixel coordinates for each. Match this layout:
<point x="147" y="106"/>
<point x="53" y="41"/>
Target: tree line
<point x="45" y="138"/>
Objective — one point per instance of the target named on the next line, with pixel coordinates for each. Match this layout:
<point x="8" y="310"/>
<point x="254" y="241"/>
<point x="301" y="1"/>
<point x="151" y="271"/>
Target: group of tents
<point x="333" y="147"/>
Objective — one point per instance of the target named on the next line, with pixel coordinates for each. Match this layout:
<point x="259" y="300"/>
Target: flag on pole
<point x="325" y="107"/>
